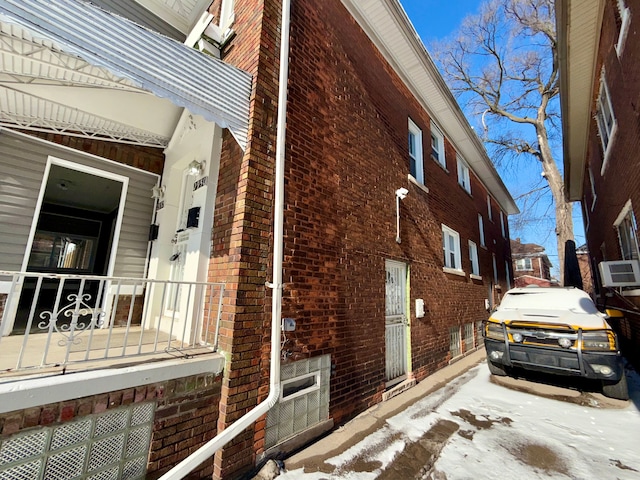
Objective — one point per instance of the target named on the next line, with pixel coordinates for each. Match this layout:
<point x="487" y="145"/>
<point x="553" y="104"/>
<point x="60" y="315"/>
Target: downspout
<point x="190" y="463"/>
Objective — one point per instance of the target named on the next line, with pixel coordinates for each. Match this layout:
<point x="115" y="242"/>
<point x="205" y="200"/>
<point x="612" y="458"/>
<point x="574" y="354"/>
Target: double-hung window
<point x="502" y="225"/>
<point x="623" y="19"/>
<point x="451" y="248"/>
<point x="416" y="166"/>
<point x="626" y="226"/>
<point x="489" y="212"/>
<point x="605" y="119"/>
<point x="481" y="228"/>
<point x="473" y="256"/>
<point x="523" y="264"/>
<point x="506" y="271"/>
<point x="437" y="146"/>
<point x="463" y="174"/>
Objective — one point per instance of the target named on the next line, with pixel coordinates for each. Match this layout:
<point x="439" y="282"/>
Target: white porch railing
<point x="62" y="320"/>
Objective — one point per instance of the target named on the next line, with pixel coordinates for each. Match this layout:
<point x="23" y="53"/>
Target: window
<point x="227" y="15"/>
<point x="495" y="269"/>
<point x="481" y="227"/>
<point x="626" y="226"/>
<point x="593" y="189"/>
<point x="463" y="174"/>
<point x="502" y="225"/>
<point x="415" y="152"/>
<point x="473" y="256"/>
<point x="468" y="340"/>
<point x="455" y="346"/>
<point x="623" y="19"/>
<point x="489" y="212"/>
<point x="451" y="248"/>
<point x="506" y="270"/>
<point x="437" y="146"/>
<point x="605" y="119"/>
<point x="523" y="264"/>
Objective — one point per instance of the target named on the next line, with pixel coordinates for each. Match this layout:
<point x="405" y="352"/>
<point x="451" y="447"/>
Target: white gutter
<point x="190" y="463"/>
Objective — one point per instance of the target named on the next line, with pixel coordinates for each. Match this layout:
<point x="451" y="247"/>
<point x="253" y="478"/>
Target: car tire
<point x="616" y="390"/>
<point x="496" y="369"/>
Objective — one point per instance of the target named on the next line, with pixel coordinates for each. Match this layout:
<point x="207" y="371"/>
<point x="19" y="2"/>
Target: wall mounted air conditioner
<point x="621" y="273"/>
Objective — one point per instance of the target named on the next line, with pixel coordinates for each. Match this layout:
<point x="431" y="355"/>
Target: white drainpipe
<point x="208" y="449"/>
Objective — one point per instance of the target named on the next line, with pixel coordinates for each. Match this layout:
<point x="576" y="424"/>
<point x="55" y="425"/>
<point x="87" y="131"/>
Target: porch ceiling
<point x="70" y="67"/>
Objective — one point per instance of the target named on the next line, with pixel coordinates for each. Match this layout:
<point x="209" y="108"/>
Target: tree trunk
<point x="563" y="208"/>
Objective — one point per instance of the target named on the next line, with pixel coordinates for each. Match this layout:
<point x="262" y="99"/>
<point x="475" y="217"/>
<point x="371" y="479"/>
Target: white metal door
<point x="396" y="322"/>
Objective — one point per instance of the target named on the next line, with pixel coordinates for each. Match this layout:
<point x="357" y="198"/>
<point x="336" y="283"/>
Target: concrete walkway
<point x="313" y="456"/>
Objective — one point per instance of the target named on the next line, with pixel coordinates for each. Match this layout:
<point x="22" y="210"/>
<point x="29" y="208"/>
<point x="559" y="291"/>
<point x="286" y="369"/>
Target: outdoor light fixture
<point x="196" y="167"/>
<point x="401" y="193"/>
<point x="157" y="192"/>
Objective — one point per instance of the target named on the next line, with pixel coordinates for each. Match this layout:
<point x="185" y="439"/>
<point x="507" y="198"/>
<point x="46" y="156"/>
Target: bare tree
<point x="503" y="65"/>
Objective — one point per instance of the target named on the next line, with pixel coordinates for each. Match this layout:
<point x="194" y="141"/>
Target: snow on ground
<point x="499" y="433"/>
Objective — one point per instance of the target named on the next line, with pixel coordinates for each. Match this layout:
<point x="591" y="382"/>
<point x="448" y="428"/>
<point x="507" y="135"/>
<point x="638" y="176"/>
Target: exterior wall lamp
<point x="401" y="193"/>
<point x="196" y="167"/>
<point x="157" y="192"/>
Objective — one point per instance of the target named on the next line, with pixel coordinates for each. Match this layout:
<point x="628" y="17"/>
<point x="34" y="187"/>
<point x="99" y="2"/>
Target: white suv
<point x="558" y="331"/>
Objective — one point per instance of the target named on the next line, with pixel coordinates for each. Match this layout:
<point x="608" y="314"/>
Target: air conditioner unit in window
<point x="621" y="273"/>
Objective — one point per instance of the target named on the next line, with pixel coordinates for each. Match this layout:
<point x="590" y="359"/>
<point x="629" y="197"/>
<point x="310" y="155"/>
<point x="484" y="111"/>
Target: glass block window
<point x="110" y="445"/>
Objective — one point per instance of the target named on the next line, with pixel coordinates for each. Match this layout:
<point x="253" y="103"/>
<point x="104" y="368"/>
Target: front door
<point x="396" y="322"/>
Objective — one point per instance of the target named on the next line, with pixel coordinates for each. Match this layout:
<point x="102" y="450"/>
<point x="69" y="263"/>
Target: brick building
<point x="599" y="66"/>
<point x="531" y="265"/>
<point x="394" y="238"/>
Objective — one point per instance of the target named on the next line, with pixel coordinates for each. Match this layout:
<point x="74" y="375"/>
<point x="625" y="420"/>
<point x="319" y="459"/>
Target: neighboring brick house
<point x="584" y="262"/>
<point x="531" y="265"/>
<point x="395" y="224"/>
<point x="600" y="88"/>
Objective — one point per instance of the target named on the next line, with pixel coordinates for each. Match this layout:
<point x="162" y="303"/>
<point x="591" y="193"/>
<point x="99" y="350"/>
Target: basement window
<point x="298" y="386"/>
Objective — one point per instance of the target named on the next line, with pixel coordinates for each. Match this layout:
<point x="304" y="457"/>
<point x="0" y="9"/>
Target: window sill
<point x="454" y="271"/>
<point x="413" y="180"/>
<point x="475" y="277"/>
<point x="465" y="190"/>
<point x="439" y="164"/>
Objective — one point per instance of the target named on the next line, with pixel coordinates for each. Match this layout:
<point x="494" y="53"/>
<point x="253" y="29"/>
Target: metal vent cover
<point x="109" y="446"/>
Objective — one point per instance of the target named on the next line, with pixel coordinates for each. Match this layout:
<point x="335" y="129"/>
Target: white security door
<point x="396" y="322"/>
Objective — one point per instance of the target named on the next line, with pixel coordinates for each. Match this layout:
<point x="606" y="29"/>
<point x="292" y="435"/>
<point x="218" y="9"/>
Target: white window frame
<point x="593" y="189"/>
<point x="473" y="256"/>
<point x="481" y="228"/>
<point x="227" y="14"/>
<point x="627" y="218"/>
<point x="606" y="129"/>
<point x="502" y="225"/>
<point x="489" y="211"/>
<point x="625" y="21"/>
<point x="464" y="178"/>
<point x="521" y="265"/>
<point x="451" y="248"/>
<point x="495" y="269"/>
<point x="439" y="149"/>
<point x="508" y="276"/>
<point x="417" y="156"/>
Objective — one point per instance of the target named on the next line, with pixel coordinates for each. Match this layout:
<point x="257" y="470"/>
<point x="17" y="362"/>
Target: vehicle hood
<point x="563" y="317"/>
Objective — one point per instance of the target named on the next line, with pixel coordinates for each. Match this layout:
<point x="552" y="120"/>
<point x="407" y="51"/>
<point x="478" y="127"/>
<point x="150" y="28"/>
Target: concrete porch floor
<point x="135" y="347"/>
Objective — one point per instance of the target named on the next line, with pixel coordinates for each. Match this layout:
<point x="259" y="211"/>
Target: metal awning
<point x="112" y="53"/>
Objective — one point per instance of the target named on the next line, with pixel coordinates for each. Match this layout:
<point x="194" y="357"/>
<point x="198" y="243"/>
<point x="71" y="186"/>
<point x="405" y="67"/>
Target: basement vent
<point x="111" y="445"/>
<point x="622" y="273"/>
<point x="304" y="399"/>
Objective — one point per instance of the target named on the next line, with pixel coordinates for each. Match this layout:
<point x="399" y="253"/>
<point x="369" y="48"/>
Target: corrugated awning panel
<point x="162" y="66"/>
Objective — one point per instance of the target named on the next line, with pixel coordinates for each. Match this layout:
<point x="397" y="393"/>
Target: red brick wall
<point x="185" y="417"/>
<point x="145" y="158"/>
<point x="346" y="156"/>
<point x="348" y="116"/>
<point x="620" y="181"/>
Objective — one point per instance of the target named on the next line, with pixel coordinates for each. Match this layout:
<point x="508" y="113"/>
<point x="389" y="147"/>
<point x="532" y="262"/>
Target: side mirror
<point x="612" y="313"/>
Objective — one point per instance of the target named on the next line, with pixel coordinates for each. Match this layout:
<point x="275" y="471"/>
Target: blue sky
<point x="436" y="19"/>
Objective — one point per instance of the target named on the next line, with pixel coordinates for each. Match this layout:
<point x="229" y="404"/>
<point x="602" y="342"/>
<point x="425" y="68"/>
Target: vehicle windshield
<point x="549" y="299"/>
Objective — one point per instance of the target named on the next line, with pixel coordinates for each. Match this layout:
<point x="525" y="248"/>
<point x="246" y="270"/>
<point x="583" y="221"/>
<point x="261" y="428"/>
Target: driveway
<point x="483" y="427"/>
